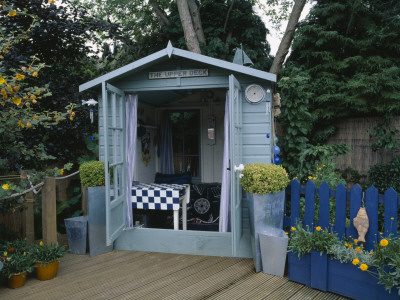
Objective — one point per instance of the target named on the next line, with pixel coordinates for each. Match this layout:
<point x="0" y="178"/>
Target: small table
<point x="163" y="197"/>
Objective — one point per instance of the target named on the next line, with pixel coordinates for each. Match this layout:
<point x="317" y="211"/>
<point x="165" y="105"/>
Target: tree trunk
<point x="162" y="18"/>
<point x="198" y="27"/>
<point x="192" y="43"/>
<point x="287" y="37"/>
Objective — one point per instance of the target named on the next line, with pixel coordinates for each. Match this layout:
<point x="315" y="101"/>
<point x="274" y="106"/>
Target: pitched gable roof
<point x="171" y="51"/>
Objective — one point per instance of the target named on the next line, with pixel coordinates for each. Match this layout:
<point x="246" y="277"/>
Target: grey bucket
<point x="77" y="234"/>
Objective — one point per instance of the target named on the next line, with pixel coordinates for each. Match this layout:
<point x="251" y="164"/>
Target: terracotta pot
<point x="17" y="280"/>
<point x="46" y="272"/>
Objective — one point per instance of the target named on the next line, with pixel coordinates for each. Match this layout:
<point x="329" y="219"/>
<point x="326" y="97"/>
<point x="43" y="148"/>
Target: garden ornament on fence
<point x="361" y="223"/>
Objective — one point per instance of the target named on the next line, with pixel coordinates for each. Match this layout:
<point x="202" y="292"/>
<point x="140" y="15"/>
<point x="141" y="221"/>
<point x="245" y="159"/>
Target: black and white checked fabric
<point x="157" y="196"/>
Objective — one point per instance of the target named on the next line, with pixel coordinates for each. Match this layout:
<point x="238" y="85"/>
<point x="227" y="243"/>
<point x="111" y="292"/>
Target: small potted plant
<point x="47" y="257"/>
<point x="18" y="261"/>
<point x="265" y="186"/>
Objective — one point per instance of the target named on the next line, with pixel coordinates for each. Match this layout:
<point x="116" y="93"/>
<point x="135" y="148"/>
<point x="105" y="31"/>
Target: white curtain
<point x="166" y="151"/>
<point x="224" y="211"/>
<point x="131" y="105"/>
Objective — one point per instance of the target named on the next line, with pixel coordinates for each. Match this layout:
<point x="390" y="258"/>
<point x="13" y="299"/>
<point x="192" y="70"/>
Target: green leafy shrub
<point x="92" y="173"/>
<point x="384" y="176"/>
<point x="261" y="178"/>
<point x="18" y="258"/>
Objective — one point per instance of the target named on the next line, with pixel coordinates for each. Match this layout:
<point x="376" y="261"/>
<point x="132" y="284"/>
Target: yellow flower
<point x="372" y="253"/>
<point x="2" y="81"/>
<point x="34" y="101"/>
<point x="309" y="177"/>
<point x="355" y="261"/>
<point x="71" y="118"/>
<point x="358" y="249"/>
<point x="35" y="74"/>
<point x="318" y="228"/>
<point x="62" y="171"/>
<point x="28" y="124"/>
<point x="363" y="267"/>
<point x="5" y="186"/>
<point x="293" y="228"/>
<point x="380" y="233"/>
<point x="392" y="218"/>
<point x="12" y="14"/>
<point x="24" y="253"/>
<point x="350" y="246"/>
<point x="41" y="243"/>
<point x="286" y="233"/>
<point x="5" y="253"/>
<point x="346" y="245"/>
<point x="19" y="76"/>
<point x="384" y="242"/>
<point x="52" y="1"/>
<point x="319" y="169"/>
<point x="355" y="241"/>
<point x="21" y="124"/>
<point x="17" y="101"/>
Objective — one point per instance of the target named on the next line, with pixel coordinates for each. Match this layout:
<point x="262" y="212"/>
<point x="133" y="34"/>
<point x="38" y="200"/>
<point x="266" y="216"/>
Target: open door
<point x="113" y="109"/>
<point x="235" y="114"/>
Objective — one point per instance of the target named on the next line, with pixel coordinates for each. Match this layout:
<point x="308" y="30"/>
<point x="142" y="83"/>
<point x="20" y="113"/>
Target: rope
<point x="70" y="175"/>
<point x="24" y="192"/>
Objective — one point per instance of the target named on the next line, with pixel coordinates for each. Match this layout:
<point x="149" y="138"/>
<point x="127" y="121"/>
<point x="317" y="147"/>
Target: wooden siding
<point x="144" y="275"/>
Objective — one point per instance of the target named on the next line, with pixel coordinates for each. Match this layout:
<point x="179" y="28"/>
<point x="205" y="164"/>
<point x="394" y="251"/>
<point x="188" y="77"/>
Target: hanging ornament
<point x="268" y="102"/>
<point x="146" y="155"/>
<point x="91" y="115"/>
<point x="277" y="150"/>
<point x="277" y="160"/>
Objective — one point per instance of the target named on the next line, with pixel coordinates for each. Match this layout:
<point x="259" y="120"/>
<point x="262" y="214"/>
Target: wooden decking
<point x="144" y="275"/>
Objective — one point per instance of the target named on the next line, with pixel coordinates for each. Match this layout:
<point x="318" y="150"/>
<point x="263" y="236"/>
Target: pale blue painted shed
<point x="175" y="78"/>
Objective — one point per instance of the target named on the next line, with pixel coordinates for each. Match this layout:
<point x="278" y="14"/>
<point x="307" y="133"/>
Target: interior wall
<point x="145" y="173"/>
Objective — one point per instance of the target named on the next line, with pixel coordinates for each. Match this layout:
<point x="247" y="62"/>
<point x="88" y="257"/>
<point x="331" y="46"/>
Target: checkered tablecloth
<point x="157" y="196"/>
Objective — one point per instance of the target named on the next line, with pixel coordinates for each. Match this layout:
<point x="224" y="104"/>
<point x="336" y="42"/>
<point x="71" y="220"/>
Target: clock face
<point x="254" y="93"/>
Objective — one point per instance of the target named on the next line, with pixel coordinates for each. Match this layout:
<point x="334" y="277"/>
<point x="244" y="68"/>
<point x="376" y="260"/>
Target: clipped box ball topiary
<point x="261" y="178"/>
<point x="92" y="173"/>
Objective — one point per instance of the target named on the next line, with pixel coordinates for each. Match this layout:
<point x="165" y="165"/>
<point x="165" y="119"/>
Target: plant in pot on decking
<point x="265" y="186"/>
<point x="93" y="178"/>
<point x="47" y="259"/>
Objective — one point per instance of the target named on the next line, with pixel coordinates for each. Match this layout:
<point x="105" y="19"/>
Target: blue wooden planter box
<point x="299" y="270"/>
<point x="330" y="275"/>
<point x="348" y="280"/>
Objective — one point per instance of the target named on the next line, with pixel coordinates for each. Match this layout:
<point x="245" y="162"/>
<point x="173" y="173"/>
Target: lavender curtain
<point x="131" y="105"/>
<point x="224" y="211"/>
<point x="166" y="151"/>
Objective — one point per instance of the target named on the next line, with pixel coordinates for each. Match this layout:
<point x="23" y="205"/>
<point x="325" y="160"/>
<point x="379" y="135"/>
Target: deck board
<point x="150" y="276"/>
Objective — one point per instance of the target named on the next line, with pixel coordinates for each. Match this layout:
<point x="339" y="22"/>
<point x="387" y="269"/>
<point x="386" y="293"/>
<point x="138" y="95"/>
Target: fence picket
<point x="371" y="205"/>
<point x="391" y="212"/>
<point x="355" y="204"/>
<point x="340" y="217"/>
<point x="310" y="204"/>
<point x="295" y="202"/>
<point x="324" y="205"/>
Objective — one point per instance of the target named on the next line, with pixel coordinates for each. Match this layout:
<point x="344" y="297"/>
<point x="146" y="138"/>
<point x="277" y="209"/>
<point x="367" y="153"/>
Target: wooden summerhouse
<point x="195" y="91"/>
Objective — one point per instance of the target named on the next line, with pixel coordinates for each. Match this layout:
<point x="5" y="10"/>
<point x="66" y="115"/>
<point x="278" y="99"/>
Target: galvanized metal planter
<point x="266" y="216"/>
<point x="96" y="209"/>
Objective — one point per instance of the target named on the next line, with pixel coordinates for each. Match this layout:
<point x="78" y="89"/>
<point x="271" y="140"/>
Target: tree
<point x="60" y="40"/>
<point x="344" y="62"/>
<point x="216" y="27"/>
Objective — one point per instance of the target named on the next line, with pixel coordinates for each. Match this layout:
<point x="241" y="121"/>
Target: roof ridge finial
<point x="170" y="49"/>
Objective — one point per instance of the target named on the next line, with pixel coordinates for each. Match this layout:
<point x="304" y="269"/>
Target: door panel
<point x="235" y="114"/>
<point x="113" y="107"/>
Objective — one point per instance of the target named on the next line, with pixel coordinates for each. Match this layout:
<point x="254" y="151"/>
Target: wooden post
<point x="49" y="214"/>
<point x="28" y="224"/>
<point x="84" y="200"/>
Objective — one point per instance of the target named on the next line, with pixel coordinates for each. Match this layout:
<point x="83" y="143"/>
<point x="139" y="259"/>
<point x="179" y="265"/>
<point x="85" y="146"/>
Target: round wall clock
<point x="254" y="93"/>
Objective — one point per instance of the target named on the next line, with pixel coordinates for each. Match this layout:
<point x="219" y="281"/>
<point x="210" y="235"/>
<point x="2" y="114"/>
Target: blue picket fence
<point x="345" y="200"/>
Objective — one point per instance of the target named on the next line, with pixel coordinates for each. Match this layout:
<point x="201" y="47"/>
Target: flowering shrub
<point x="47" y="253"/>
<point x="18" y="258"/>
<point x="303" y="240"/>
<point x="261" y="178"/>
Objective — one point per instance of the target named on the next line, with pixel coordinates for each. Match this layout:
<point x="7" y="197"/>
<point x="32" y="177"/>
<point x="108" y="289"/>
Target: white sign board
<point x="178" y="74"/>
